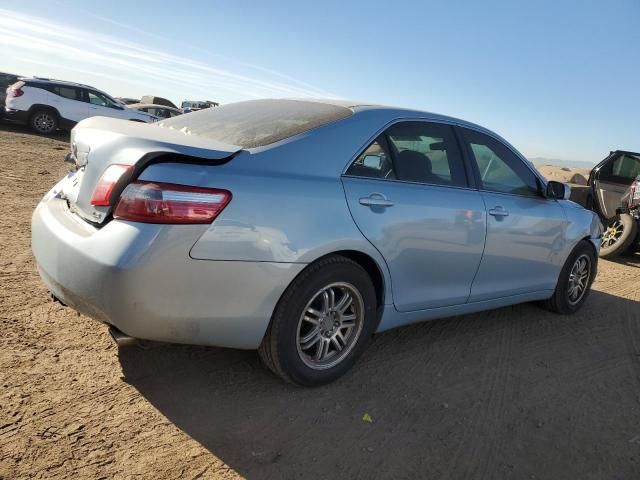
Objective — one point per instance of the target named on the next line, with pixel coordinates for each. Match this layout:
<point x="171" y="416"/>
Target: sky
<point x="558" y="79"/>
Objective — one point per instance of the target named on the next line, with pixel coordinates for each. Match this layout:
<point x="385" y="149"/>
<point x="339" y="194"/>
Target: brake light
<point x="107" y="183"/>
<point x="14" y="92"/>
<point x="151" y="202"/>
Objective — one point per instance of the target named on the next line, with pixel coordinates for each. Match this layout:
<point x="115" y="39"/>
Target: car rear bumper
<point x="140" y="279"/>
<point x="18" y="116"/>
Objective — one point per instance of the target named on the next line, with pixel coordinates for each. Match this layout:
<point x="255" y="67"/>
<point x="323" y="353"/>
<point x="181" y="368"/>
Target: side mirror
<point x="372" y="161"/>
<point x="558" y="190"/>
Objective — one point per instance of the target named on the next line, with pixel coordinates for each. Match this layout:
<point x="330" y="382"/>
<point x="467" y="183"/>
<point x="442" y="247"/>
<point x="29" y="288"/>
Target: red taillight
<point x="151" y="202"/>
<point x="14" y="92"/>
<point x="106" y="184"/>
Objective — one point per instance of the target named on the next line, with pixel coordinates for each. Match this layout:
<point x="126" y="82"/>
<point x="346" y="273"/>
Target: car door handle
<point x="376" y="200"/>
<point x="498" y="212"/>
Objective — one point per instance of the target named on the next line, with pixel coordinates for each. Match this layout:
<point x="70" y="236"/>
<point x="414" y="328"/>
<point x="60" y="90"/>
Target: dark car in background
<point x="160" y="111"/>
<point x="614" y="195"/>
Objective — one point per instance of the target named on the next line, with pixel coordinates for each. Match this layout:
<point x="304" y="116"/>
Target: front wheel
<point x="322" y="323"/>
<point x="574" y="282"/>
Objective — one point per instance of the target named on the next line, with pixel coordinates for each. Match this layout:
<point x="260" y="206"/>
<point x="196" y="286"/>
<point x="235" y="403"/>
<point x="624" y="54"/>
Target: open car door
<point x="611" y="179"/>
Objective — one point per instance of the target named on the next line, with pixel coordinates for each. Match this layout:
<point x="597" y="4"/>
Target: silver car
<point x="300" y="228"/>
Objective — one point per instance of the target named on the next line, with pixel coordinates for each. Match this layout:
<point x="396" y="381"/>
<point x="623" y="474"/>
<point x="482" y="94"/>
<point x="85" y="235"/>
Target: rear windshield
<point x="257" y="122"/>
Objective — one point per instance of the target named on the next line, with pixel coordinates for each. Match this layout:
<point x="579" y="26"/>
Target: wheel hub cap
<point x="44" y="122"/>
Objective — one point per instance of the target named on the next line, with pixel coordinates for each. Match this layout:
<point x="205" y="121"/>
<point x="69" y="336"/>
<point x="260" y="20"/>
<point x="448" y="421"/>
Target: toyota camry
<point x="302" y="227"/>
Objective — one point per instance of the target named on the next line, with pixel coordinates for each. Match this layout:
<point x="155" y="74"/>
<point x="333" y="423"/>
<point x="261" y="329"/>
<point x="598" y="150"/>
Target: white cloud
<point x="49" y="44"/>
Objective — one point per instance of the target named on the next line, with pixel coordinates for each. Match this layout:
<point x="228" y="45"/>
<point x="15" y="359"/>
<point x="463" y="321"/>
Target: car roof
<point x="399" y="112"/>
<point x="626" y="152"/>
<point x="57" y="82"/>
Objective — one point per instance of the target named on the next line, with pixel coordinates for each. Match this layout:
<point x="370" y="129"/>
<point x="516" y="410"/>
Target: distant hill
<point x="539" y="161"/>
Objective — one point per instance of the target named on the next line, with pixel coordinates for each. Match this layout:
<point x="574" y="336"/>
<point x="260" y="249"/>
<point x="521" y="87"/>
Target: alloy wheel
<point x="612" y="234"/>
<point x="44" y="122"/>
<point x="330" y="326"/>
<point x="579" y="279"/>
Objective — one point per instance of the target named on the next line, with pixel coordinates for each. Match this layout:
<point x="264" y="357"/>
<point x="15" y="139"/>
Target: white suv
<point x="46" y="105"/>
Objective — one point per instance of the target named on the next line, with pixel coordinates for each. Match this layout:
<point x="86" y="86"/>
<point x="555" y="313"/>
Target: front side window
<point x="500" y="170"/>
<point x="626" y="166"/>
<point x="162" y="113"/>
<point x="99" y="99"/>
<point x="418" y="152"/>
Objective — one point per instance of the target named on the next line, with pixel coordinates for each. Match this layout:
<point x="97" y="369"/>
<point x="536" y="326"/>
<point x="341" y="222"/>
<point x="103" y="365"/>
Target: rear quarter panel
<point x="31" y="96"/>
<point x="288" y="201"/>
<point x="284" y="219"/>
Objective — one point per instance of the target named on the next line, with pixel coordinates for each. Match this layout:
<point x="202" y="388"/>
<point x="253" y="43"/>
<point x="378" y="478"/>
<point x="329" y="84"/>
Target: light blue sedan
<point x="301" y="228"/>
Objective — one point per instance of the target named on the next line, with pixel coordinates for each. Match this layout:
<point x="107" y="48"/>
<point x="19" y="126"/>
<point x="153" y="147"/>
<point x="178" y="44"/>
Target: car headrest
<point x="413" y="166"/>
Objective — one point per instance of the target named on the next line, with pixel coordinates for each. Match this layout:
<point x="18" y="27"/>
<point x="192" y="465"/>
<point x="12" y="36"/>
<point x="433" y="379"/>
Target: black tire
<point x="618" y="236"/>
<point x="44" y="122"/>
<point x="281" y="349"/>
<point x="561" y="302"/>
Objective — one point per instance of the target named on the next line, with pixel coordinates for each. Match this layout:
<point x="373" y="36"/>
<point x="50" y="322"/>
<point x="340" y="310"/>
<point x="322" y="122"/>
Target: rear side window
<point x="374" y="162"/>
<point x="418" y="152"/>
<point x="426" y="153"/>
<point x="257" y="122"/>
<point x="66" y="92"/>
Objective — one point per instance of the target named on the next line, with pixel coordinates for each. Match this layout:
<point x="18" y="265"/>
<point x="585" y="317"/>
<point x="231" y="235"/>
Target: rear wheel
<point x="574" y="282"/>
<point x="322" y="323"/>
<point x="44" y="122"/>
<point x="618" y="236"/>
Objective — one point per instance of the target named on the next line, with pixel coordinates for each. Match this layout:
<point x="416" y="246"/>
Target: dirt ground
<point x="516" y="393"/>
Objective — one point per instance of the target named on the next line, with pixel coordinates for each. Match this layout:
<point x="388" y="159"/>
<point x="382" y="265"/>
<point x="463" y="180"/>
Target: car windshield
<point x="256" y="123"/>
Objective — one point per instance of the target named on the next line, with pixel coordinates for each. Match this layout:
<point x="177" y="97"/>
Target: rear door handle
<point x="498" y="212"/>
<point x="376" y="200"/>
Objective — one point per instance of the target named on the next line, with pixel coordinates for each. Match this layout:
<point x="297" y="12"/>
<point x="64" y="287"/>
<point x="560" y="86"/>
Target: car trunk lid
<point x="99" y="143"/>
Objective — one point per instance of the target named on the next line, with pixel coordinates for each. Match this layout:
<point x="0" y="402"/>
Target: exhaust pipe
<point x="121" y="338"/>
